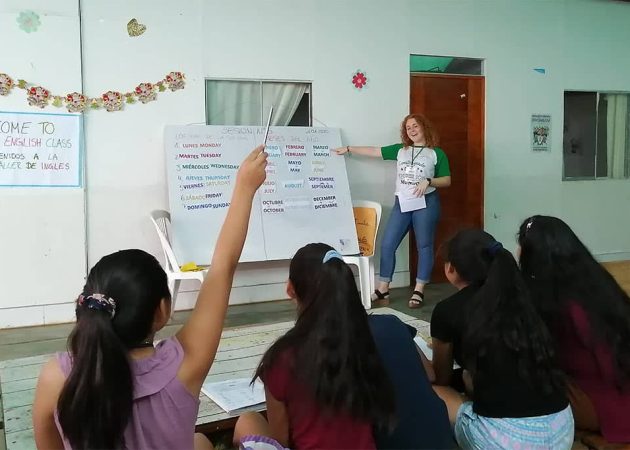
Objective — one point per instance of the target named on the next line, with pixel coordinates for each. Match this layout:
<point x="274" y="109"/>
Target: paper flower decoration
<point x="6" y="83"/>
<point x="28" y="21"/>
<point x="76" y="102"/>
<point x="175" y="81"/>
<point x="359" y="79"/>
<point x="38" y="96"/>
<point x="112" y="101"/>
<point x="145" y="92"/>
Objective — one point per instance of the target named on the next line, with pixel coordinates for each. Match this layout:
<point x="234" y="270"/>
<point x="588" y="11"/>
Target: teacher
<point x="421" y="168"/>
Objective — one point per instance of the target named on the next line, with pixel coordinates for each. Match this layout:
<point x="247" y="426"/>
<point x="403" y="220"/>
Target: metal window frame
<point x="594" y="177"/>
<point x="261" y="82"/>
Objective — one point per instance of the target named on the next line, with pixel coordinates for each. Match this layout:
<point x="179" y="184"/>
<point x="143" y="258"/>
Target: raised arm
<point x="374" y="152"/>
<point x="200" y="335"/>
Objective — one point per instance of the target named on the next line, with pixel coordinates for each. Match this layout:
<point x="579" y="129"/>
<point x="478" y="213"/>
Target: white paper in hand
<point x="428" y="351"/>
<point x="422" y="345"/>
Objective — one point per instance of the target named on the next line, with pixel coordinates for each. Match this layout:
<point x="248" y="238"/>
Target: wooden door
<point x="455" y="105"/>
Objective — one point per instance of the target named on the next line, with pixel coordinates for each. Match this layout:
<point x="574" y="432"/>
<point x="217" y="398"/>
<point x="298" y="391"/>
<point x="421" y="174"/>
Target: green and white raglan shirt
<point x="415" y="164"/>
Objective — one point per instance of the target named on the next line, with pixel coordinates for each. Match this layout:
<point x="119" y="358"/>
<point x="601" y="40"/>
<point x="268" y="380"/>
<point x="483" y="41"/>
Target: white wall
<point x="582" y="44"/>
<point x="42" y="230"/>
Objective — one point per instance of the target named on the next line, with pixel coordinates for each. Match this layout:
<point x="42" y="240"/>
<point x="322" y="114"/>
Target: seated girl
<point x="325" y="384"/>
<point x="114" y="389"/>
<point x="517" y="392"/>
<point x="466" y="268"/>
<point x="421" y="416"/>
<point x="588" y="314"/>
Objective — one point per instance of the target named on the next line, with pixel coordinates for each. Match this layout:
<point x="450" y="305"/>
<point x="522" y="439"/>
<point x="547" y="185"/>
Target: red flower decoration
<point x="359" y="80"/>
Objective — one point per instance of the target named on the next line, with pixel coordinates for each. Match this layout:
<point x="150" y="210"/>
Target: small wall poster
<point x="541" y="132"/>
<point x="40" y="150"/>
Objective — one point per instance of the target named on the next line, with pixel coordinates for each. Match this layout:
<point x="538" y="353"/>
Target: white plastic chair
<point x="162" y="221"/>
<point x="365" y="263"/>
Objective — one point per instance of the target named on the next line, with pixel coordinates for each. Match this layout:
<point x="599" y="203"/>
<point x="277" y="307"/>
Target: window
<point x="247" y="102"/>
<point x="445" y="64"/>
<point x="596" y="141"/>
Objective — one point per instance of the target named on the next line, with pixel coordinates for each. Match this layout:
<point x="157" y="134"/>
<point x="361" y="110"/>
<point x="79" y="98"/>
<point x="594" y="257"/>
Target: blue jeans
<point x="424" y="222"/>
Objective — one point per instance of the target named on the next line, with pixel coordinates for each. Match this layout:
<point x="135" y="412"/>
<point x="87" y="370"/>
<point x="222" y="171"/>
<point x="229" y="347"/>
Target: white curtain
<point x="233" y="102"/>
<point x="617" y="132"/>
<point x="285" y="98"/>
<point x="239" y="102"/>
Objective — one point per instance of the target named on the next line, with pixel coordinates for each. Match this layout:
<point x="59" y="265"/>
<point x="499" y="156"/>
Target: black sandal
<point x="380" y="298"/>
<point x="417" y="300"/>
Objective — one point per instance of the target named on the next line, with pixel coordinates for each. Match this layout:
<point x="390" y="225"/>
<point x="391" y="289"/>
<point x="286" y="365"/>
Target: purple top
<point x="164" y="412"/>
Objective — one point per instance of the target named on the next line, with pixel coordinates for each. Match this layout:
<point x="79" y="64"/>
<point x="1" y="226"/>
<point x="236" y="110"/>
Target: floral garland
<point x="77" y="102"/>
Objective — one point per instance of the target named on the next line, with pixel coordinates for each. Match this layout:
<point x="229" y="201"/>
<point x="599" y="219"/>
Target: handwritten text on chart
<point x="322" y="182"/>
<point x="318" y="166"/>
<point x="294" y="165"/>
<point x="193" y="149"/>
<point x="206" y="166"/>
<point x="37" y="152"/>
<point x="201" y="145"/>
<point x="197" y="156"/>
<point x="321" y="150"/>
<point x="329" y="201"/>
<point x="293" y="184"/>
<point x="269" y="187"/>
<point x="272" y="206"/>
<point x="207" y="206"/>
<point x="294" y="151"/>
<point x="273" y="151"/>
<point x="305" y="189"/>
<point x="18" y="127"/>
<point x="199" y="197"/>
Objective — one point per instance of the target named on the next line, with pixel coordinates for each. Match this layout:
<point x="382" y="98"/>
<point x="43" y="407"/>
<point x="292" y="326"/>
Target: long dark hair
<point x="501" y="312"/>
<point x="559" y="268"/>
<point x="96" y="401"/>
<point x="332" y="350"/>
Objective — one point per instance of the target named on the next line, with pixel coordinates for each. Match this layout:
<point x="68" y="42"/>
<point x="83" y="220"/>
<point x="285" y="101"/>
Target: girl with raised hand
<point x="114" y="389"/>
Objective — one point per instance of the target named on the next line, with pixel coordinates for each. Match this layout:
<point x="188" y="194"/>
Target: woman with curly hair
<point x="421" y="168"/>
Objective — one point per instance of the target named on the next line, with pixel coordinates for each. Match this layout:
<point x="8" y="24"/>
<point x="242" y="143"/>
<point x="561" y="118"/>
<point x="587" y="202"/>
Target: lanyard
<point x="413" y="157"/>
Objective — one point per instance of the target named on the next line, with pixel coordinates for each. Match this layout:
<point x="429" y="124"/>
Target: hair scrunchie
<point x="98" y="302"/>
<point x="331" y="254"/>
